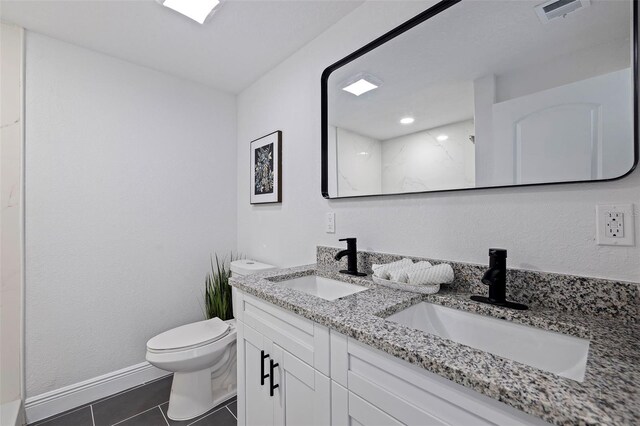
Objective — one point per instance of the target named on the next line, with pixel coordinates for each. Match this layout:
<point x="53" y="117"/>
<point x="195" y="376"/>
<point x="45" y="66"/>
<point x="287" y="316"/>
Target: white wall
<point x="549" y="228"/>
<point x="130" y="177"/>
<point x="11" y="235"/>
<point x="559" y="71"/>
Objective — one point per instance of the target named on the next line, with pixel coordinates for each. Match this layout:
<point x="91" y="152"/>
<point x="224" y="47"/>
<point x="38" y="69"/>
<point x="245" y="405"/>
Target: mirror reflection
<point x="487" y="93"/>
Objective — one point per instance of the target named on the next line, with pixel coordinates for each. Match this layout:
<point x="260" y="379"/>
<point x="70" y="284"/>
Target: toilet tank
<point x="247" y="267"/>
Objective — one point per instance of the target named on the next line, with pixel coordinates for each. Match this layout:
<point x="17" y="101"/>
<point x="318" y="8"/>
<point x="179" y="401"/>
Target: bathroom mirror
<point x="478" y="94"/>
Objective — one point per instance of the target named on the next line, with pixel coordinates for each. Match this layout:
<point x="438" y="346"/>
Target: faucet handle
<point x="490" y="277"/>
<point x="497" y="252"/>
<point x="347" y="239"/>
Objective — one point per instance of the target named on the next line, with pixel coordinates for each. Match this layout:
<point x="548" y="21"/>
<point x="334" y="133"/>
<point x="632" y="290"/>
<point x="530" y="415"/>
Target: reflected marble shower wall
<point x="438" y="158"/>
<point x="359" y="164"/>
<point x="428" y="160"/>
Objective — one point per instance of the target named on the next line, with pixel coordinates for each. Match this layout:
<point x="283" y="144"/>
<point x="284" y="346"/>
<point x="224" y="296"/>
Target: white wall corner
<point x="12" y="389"/>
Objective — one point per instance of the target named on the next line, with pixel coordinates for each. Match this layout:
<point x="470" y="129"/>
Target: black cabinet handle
<point x="272" y="387"/>
<point x="263" y="376"/>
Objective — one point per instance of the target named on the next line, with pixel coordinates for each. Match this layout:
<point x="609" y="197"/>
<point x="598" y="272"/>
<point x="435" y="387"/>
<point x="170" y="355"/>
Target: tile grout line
<point x="135" y="415"/>
<point x="200" y="418"/>
<point x="163" y="416"/>
<point x="234" y="416"/>
<point x="57" y="416"/>
<point x="98" y="401"/>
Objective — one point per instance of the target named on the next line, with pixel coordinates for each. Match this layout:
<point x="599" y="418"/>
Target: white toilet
<point x="202" y="356"/>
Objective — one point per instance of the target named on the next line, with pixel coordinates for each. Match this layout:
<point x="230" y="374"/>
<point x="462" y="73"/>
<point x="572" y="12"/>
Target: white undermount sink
<point x="553" y="352"/>
<point x="325" y="288"/>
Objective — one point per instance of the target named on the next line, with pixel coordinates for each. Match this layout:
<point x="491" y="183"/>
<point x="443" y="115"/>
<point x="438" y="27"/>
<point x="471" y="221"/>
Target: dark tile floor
<point x="145" y="405"/>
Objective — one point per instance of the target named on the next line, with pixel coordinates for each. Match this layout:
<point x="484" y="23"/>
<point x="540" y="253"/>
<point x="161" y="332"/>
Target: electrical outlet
<point x="330" y="224"/>
<point x="615" y="225"/>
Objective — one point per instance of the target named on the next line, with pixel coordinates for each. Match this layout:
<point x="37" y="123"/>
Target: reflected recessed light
<point x="198" y="10"/>
<point x="363" y="153"/>
<point x="359" y="87"/>
<point x="407" y="120"/>
<point x="442" y="138"/>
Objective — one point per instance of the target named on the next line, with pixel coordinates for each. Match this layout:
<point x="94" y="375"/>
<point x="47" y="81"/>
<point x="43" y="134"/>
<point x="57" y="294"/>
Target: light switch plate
<point x="330" y="224"/>
<point x="615" y="225"/>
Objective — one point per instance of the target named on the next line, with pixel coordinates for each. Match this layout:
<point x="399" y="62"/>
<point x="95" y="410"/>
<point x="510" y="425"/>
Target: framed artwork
<point x="266" y="169"/>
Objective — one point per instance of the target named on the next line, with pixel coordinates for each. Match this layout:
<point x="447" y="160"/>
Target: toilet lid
<point x="190" y="335"/>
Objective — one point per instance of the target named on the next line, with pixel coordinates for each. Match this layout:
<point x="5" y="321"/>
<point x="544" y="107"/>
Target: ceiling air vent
<point x="559" y="9"/>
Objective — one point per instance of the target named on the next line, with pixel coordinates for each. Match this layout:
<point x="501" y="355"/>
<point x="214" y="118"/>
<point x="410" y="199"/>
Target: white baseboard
<point x="57" y="401"/>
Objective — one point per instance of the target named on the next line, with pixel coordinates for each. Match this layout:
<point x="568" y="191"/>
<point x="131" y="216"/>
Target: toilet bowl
<point x="202" y="356"/>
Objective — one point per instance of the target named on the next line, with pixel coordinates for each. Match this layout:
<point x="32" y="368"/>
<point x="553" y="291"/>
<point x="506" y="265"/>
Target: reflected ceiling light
<point x="198" y="10"/>
<point x="442" y="138"/>
<point x="407" y="120"/>
<point x="359" y="87"/>
<point x="363" y="153"/>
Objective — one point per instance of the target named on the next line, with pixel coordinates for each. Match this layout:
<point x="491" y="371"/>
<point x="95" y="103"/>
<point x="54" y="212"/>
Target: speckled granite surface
<point x="608" y="394"/>
<point x="568" y="293"/>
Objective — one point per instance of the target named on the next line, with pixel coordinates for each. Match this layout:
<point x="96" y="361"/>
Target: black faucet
<point x="496" y="279"/>
<point x="352" y="257"/>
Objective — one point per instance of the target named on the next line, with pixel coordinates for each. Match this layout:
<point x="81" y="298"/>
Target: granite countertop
<point x="608" y="394"/>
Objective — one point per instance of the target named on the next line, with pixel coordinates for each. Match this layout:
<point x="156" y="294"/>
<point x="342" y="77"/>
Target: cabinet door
<point x="255" y="405"/>
<point x="303" y="396"/>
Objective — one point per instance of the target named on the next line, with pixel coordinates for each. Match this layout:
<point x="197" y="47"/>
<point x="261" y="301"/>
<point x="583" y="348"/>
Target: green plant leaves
<point x="217" y="291"/>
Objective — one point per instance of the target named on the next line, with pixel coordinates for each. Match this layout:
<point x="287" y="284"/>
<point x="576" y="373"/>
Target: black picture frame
<point x="411" y="23"/>
<point x="271" y="146"/>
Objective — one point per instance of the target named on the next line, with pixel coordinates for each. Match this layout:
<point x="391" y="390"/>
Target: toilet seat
<point x="189" y="336"/>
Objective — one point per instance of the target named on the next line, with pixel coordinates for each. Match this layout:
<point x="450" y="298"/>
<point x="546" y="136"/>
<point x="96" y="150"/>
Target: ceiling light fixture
<point x="442" y="138"/>
<point x="359" y="87"/>
<point x="198" y="10"/>
<point x="407" y="120"/>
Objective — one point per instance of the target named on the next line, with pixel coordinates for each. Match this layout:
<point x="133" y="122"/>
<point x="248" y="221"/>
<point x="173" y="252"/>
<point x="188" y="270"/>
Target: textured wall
<point x="11" y="241"/>
<point x="550" y="228"/>
<point x="130" y="178"/>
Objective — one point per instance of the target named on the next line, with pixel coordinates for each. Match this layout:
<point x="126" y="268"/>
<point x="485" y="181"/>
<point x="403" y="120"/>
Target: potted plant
<point x="217" y="291"/>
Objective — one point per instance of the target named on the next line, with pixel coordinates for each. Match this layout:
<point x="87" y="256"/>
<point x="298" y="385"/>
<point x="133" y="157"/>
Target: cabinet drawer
<point x="361" y="413"/>
<point x="299" y="336"/>
<point x="414" y="396"/>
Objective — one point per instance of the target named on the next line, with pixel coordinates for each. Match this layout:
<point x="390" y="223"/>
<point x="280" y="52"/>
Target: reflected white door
<point x="558" y="143"/>
<point x="579" y="131"/>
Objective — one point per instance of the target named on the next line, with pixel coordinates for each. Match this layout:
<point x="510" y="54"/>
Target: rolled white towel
<point x="401" y="274"/>
<point x="382" y="271"/>
<point x="437" y="274"/>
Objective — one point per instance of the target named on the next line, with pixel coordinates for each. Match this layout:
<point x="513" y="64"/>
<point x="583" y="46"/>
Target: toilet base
<point x="191" y="395"/>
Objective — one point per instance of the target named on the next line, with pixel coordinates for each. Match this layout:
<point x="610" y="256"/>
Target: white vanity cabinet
<point x="325" y="378"/>
<point x="253" y="355"/>
<point x="384" y="390"/>
<point x="283" y="366"/>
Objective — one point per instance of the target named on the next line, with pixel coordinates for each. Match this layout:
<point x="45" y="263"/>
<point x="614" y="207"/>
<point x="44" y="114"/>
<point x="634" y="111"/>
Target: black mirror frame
<point x="416" y="20"/>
